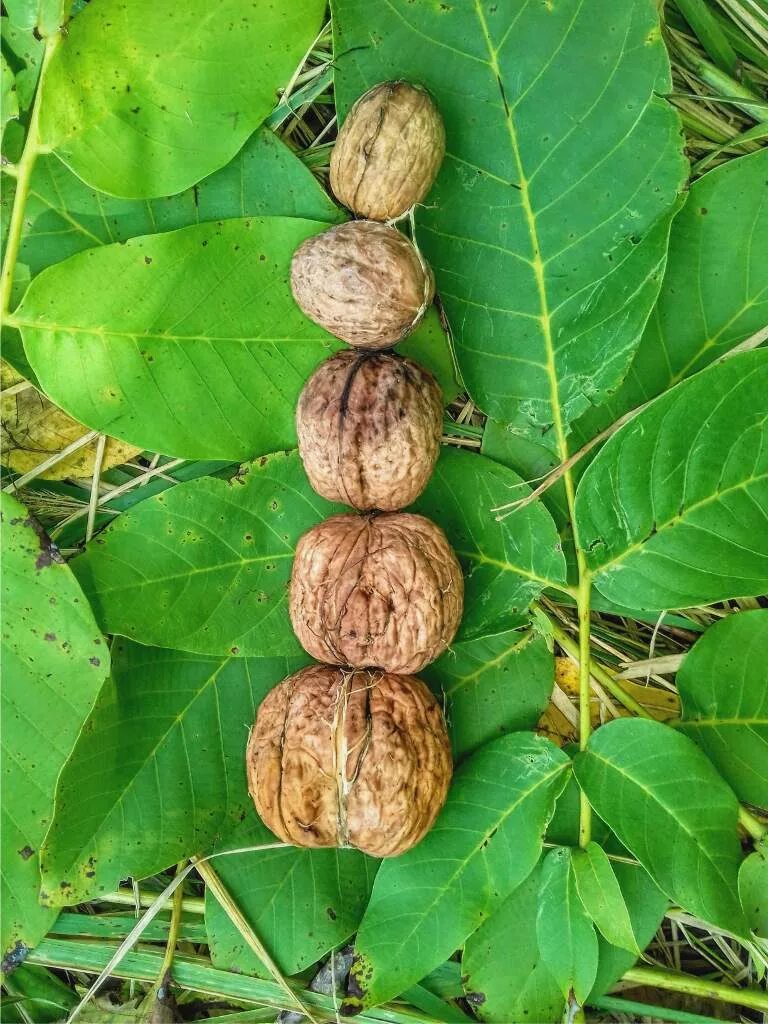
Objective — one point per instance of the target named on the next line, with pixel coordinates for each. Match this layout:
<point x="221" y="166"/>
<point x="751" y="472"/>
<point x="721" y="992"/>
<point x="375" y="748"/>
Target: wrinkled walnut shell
<point x="357" y="759"/>
<point x="369" y="427"/>
<point x="363" y="282"/>
<point x="377" y="591"/>
<point x="388" y="151"/>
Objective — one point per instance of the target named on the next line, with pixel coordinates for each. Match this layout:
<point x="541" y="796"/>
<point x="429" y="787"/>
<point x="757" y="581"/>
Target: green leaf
<point x="159" y="769"/>
<point x="44" y="16"/>
<point x="485" y="842"/>
<point x="188" y="343"/>
<point x="63" y="215"/>
<point x="168" y="341"/>
<point x="647" y="905"/>
<point x="301" y="903"/>
<point x="44" y="997"/>
<point x="493" y="684"/>
<point x="204" y="566"/>
<point x="723" y="686"/>
<point x="673" y="510"/>
<point x="601" y="896"/>
<point x="546" y="232"/>
<point x="141" y="100"/>
<point x="54" y="660"/>
<point x="429" y="345"/>
<point x="506" y="980"/>
<point x="9" y="109"/>
<point x="680" y="823"/>
<point x="27" y="49"/>
<point x="566" y="935"/>
<point x="506" y="564"/>
<point x="715" y="291"/>
<point x="753" y="889"/>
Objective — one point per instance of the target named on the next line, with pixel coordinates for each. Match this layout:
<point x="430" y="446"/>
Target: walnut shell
<point x="358" y="759"/>
<point x="377" y="591"/>
<point x="369" y="427"/>
<point x="388" y="151"/>
<point x="363" y="282"/>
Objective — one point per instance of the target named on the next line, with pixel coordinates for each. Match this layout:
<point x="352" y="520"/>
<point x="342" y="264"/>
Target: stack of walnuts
<point x="354" y="752"/>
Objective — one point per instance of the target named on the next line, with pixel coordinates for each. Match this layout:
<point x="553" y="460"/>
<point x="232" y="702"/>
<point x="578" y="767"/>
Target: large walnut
<point x="388" y="151"/>
<point x="339" y="758"/>
<point x="377" y="591"/>
<point x="363" y="282"/>
<point x="369" y="427"/>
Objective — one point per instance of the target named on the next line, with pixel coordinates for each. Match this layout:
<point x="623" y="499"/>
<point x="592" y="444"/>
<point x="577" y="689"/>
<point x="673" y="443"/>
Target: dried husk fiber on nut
<point x="363" y="282"/>
<point x="369" y="426"/>
<point x="377" y="591"/>
<point x="388" y="151"/>
<point x="341" y="758"/>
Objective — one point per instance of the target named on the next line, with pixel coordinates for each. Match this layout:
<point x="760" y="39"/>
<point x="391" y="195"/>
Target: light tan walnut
<point x="349" y="759"/>
<point x="388" y="151"/>
<point x="363" y="282"/>
<point x="376" y="591"/>
<point x="369" y="427"/>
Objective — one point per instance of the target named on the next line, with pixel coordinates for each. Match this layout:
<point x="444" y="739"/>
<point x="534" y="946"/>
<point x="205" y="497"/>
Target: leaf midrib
<point x="536" y="262"/>
<point x="742" y="485"/>
<point x="155" y="580"/>
<point x="107" y="332"/>
<point x="482" y="559"/>
<point x="507" y="652"/>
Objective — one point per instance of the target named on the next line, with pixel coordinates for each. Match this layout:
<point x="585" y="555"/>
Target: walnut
<point x="363" y="282"/>
<point x="377" y="591"/>
<point x="350" y="759"/>
<point x="369" y="427"/>
<point x="388" y="151"/>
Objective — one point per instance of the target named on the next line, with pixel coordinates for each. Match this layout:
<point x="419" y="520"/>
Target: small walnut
<point x="363" y="282"/>
<point x="369" y="427"/>
<point x="358" y="759"/>
<point x="377" y="591"/>
<point x="388" y="151"/>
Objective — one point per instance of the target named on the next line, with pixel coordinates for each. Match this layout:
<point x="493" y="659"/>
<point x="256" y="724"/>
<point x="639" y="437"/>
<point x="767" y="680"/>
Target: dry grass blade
<point x="233" y="912"/>
<point x="95" y="482"/>
<point x="22" y="481"/>
<point x="143" y="922"/>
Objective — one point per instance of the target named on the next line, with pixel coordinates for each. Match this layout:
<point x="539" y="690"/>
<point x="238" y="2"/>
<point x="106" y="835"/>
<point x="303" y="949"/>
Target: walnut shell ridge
<point x="377" y="591"/>
<point x="388" y="151"/>
<point x="363" y="282"/>
<point x="369" y="426"/>
<point x="349" y="759"/>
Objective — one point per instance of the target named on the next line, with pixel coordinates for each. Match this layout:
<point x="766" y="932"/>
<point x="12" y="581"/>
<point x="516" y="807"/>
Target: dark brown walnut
<point x="388" y="151"/>
<point x="377" y="591"/>
<point x="363" y="282"/>
<point x="369" y="427"/>
<point x="349" y="759"/>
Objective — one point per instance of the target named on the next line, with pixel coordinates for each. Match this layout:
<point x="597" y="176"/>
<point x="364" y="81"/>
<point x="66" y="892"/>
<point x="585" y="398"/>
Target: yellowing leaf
<point x="33" y="429"/>
<point x="560" y="726"/>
